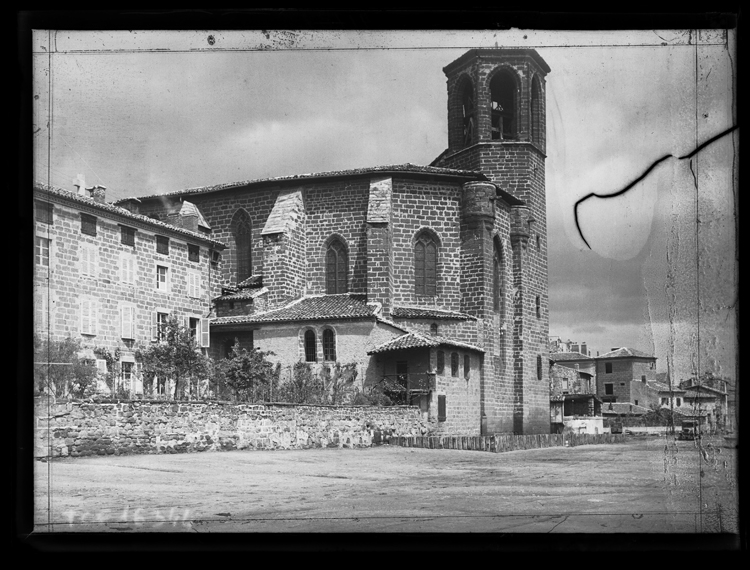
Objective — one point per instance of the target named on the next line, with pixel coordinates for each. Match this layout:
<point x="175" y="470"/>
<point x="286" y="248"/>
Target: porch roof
<point x="416" y="340"/>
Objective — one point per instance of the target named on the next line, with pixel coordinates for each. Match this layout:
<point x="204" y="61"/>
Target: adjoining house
<point x="573" y="401"/>
<point x="110" y="277"/>
<point x="622" y="376"/>
<point x="710" y="403"/>
<point x="434" y="276"/>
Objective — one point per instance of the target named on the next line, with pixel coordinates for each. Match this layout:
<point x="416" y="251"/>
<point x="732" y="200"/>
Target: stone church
<point x="430" y="277"/>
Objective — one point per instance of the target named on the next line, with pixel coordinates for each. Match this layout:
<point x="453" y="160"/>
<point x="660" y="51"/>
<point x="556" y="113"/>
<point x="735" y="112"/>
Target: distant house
<point x="665" y="396"/>
<point x="616" y="409"/>
<point x="622" y="376"/>
<point x="573" y="402"/>
<point x="710" y="403"/>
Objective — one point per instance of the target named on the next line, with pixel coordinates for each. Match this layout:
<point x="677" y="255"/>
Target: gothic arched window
<point x="536" y="110"/>
<point x="242" y="233"/>
<point x="425" y="264"/>
<point x="497" y="279"/>
<point x="337" y="268"/>
<point x="503" y="105"/>
<point x="467" y="112"/>
<point x="329" y="345"/>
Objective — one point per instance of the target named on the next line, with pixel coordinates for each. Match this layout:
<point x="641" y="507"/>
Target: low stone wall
<point x="142" y="426"/>
<point x="501" y="442"/>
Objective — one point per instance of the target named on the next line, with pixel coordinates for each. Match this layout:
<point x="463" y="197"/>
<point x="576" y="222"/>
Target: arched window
<point x="311" y="351"/>
<point x="440" y="362"/>
<point x="329" y="345"/>
<point x="497" y="278"/>
<point x="454" y="364"/>
<point x="242" y="233"/>
<point x="536" y="110"/>
<point x="503" y="105"/>
<point x="433" y="329"/>
<point x="467" y="112"/>
<point x="337" y="268"/>
<point x="425" y="265"/>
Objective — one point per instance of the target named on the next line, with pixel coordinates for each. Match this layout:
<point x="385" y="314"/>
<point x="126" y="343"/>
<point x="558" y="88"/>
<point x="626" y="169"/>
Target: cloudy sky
<point x="152" y="112"/>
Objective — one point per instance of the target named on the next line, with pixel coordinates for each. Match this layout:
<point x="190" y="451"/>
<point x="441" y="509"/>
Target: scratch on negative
<point x="642" y="176"/>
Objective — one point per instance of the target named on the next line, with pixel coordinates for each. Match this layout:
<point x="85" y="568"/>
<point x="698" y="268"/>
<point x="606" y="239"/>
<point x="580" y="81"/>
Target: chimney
<point x="584" y="349"/>
<point x="80" y="183"/>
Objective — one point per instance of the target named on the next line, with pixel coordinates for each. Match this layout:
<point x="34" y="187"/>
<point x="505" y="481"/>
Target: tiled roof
<point x="417" y="340"/>
<point x="625" y="352"/>
<point x="311" y="308"/>
<point x="395" y="168"/>
<point x="660" y="387"/>
<point x="704" y="388"/>
<point x="428" y="313"/>
<point x="52" y="192"/>
<point x="252" y="281"/>
<point x="620" y="408"/>
<point x="565" y="356"/>
<point x="242" y="294"/>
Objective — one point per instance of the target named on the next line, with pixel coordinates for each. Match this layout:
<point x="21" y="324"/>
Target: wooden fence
<point x="501" y="443"/>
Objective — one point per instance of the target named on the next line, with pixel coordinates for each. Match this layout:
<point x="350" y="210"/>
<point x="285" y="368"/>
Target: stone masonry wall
<point x="145" y="427"/>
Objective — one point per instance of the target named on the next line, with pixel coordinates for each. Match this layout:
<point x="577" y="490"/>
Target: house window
<point x="310" y="347"/>
<point x="193" y="253"/>
<point x="194" y="284"/>
<point x="679" y="402"/>
<point x="565" y="384"/>
<point x="425" y="265"/>
<point x="42" y="251"/>
<point x="467" y="366"/>
<point x="609" y="389"/>
<point x="441" y="408"/>
<point x="608" y="368"/>
<point x="433" y="329"/>
<point x="454" y="364"/>
<point x="665" y="401"/>
<point x="635" y="402"/>
<point x="127" y="236"/>
<point x="622" y="383"/>
<point x="127" y="268"/>
<point x="88" y="316"/>
<point x="440" y="362"/>
<point x="162" y="245"/>
<point x="337" y="267"/>
<point x="127" y="372"/>
<point x="503" y="105"/>
<point x="329" y="345"/>
<point x="162" y="278"/>
<point x="652" y="365"/>
<point x="43" y="212"/>
<point x="88" y="225"/>
<point x="88" y="255"/>
<point x="127" y="322"/>
<point x="160" y="329"/>
<point x="538" y="307"/>
<point x="643" y="379"/>
<point x="538" y="243"/>
<point x="242" y="233"/>
<point x="194" y="326"/>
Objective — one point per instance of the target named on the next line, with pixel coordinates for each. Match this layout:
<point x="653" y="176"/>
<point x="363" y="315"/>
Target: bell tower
<point x="496" y="125"/>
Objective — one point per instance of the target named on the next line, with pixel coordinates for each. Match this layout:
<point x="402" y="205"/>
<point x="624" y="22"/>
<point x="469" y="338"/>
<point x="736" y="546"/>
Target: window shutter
<point x="154" y="326"/>
<point x="94" y="317"/>
<point x="441" y="408"/>
<point x="205" y="333"/>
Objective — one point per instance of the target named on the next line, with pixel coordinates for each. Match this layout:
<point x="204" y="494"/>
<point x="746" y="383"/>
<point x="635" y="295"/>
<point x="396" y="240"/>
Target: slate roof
<point x="428" y="313"/>
<point x="311" y="308"/>
<point x="394" y="168"/>
<point x="565" y="356"/>
<point x="625" y="352"/>
<point x="44" y="191"/>
<point x="190" y="209"/>
<point x="417" y="340"/>
<point x="623" y="408"/>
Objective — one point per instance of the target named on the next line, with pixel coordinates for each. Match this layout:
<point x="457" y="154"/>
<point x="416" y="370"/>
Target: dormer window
<point x="162" y="245"/>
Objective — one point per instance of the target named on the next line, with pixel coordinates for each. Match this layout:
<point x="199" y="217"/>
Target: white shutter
<point x="131" y="269"/>
<point x="94" y="317"/>
<point x="205" y="333"/>
<point x="198" y="291"/>
<point x="154" y="326"/>
<point x="127" y="317"/>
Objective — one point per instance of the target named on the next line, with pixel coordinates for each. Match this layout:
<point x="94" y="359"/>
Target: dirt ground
<point x="647" y="485"/>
